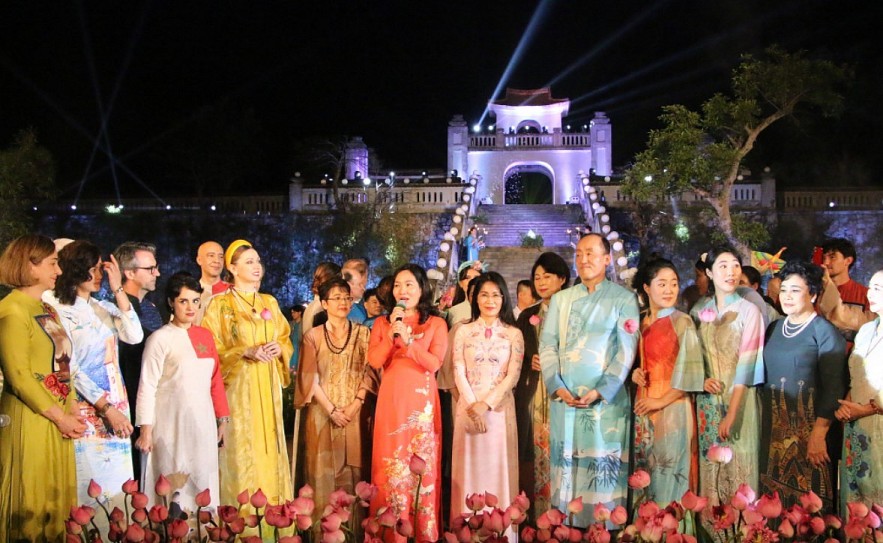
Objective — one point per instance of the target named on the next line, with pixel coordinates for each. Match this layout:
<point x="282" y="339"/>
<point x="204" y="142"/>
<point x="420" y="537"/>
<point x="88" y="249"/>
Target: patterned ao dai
<point x="732" y="346"/>
<point x="588" y="343"/>
<point x="407" y="422"/>
<point x="93" y="326"/>
<point x="862" y="466"/>
<point x="665" y="439"/>
<point x="487" y="363"/>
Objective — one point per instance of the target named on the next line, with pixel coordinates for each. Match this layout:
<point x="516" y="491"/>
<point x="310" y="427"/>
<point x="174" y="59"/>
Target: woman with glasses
<point x="487" y="357"/>
<point x="333" y="383"/>
<point x="252" y="338"/>
<point x="104" y="453"/>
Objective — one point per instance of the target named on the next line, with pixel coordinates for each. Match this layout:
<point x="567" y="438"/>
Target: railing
<point x="502" y="140"/>
<point x="742" y="194"/>
<point x="407" y="198"/>
<point x="830" y="199"/>
<point x="269" y="204"/>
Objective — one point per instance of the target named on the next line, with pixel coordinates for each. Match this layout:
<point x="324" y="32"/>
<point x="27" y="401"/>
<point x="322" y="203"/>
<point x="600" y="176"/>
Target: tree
<point x="27" y="175"/>
<point x="703" y="151"/>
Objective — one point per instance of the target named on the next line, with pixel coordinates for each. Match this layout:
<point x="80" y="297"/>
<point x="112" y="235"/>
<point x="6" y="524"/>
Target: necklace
<point x="251" y="304"/>
<point x="331" y="346"/>
<point x="790" y="330"/>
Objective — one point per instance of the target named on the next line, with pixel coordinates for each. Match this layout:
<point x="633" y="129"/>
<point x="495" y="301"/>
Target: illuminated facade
<point x="529" y="137"/>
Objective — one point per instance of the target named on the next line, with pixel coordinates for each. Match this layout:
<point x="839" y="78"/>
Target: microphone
<point x="398" y="319"/>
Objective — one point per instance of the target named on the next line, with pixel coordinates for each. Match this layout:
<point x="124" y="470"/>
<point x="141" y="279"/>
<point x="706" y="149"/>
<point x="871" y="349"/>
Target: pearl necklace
<point x="790" y="330"/>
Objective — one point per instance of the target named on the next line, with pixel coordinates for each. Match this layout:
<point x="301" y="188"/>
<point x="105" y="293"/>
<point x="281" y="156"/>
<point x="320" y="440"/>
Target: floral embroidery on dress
<point x="54" y="385"/>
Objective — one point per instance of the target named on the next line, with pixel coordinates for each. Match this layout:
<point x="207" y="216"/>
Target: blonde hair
<point x="19" y="255"/>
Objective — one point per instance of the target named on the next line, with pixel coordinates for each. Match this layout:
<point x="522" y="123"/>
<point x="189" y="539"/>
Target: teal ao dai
<point x="588" y="342"/>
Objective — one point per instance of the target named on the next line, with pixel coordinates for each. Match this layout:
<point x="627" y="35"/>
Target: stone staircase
<point x="506" y="223"/>
<point x="503" y="252"/>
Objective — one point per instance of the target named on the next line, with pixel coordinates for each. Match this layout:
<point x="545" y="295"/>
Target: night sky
<point x="396" y="72"/>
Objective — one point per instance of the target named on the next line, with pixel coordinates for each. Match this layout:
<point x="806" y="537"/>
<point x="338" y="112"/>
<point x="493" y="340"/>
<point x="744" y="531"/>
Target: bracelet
<point x="101" y="411"/>
<point x="222" y="419"/>
<point x="333" y="411"/>
<point x="118" y="289"/>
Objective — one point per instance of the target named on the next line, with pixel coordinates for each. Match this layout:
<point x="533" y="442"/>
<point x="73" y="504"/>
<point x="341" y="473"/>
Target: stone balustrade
<point x="502" y="140"/>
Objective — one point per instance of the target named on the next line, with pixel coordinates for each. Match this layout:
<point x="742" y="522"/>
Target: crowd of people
<point x="561" y="392"/>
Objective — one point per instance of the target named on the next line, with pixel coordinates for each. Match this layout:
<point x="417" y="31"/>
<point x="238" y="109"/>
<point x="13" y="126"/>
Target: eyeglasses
<point x="149" y="269"/>
<point x="347" y="299"/>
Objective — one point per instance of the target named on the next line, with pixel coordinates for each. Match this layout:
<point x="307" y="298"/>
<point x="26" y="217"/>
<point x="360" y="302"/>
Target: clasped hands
<point x="476" y="412"/>
<point x="266" y="352"/>
<point x="342" y="417"/>
<point x="583" y="401"/>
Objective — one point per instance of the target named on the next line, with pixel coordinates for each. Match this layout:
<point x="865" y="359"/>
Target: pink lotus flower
<point x="138" y="515"/>
<point x="561" y="533"/>
<point x="331" y="522"/>
<point x="619" y="515"/>
<point x="204" y="498"/>
<point x="130" y="487"/>
<point x="242" y="497"/>
<point x="855" y="528"/>
<point x="543" y="522"/>
<point x="365" y="492"/>
<point x="521" y="501"/>
<point x="811" y="502"/>
<point x="872" y="520"/>
<point x="94" y="489"/>
<point x="178" y="528"/>
<point x="404" y="528"/>
<point x="746" y="490"/>
<point x="857" y="510"/>
<point x="387" y="517"/>
<point x="491" y="500"/>
<point x="639" y="479"/>
<point x="417" y="465"/>
<point x="134" y="533"/>
<point x="266" y="315"/>
<point x="304" y="522"/>
<point x="117" y="515"/>
<point x="290" y="539"/>
<point x="556" y="517"/>
<point x="833" y="522"/>
<point x="228" y="513"/>
<point x="597" y="534"/>
<point x="528" y="534"/>
<point x="139" y="500"/>
<point x="534" y="320"/>
<point x="817" y="525"/>
<point x="306" y="491"/>
<point x="475" y="502"/>
<point x="707" y="315"/>
<point x="73" y="528"/>
<point x="276" y="517"/>
<point x="237" y="526"/>
<point x="601" y="512"/>
<point x="675" y="509"/>
<point x="371" y="526"/>
<point x="693" y="502"/>
<point x="630" y="326"/>
<point x="163" y="486"/>
<point x="648" y="510"/>
<point x="336" y="536"/>
<point x="515" y="515"/>
<point x="769" y="505"/>
<point x="575" y="506"/>
<point x="739" y="502"/>
<point x="305" y="506"/>
<point x="723" y="516"/>
<point x="494" y="521"/>
<point x="158" y="513"/>
<point x="258" y="499"/>
<point x="720" y="454"/>
<point x="80" y="516"/>
<point x="786" y="529"/>
<point x="464" y="534"/>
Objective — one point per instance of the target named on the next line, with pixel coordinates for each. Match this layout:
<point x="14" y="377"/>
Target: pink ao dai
<point x="487" y="363"/>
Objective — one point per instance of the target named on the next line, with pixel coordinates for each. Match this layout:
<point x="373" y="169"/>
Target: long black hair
<point x="497" y="279"/>
<point x="459" y="292"/>
<point x="424" y="306"/>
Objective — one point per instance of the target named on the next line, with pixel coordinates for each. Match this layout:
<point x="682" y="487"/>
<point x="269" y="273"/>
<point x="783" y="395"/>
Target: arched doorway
<point x="528" y="184"/>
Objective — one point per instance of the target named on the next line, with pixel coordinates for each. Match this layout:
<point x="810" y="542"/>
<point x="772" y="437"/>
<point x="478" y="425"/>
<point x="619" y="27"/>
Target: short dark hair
<point x="647" y="273"/>
<point x="331" y="284"/>
<point x="751" y="273"/>
<point x="554" y="264"/>
<point x="178" y="282"/>
<point x="369" y="293"/>
<point x="528" y="284"/>
<point x="604" y="241"/>
<point x="842" y="246"/>
<point x="296" y="308"/>
<point x="809" y="272"/>
<point x="75" y="260"/>
<point x="498" y="280"/>
<point x="424" y="305"/>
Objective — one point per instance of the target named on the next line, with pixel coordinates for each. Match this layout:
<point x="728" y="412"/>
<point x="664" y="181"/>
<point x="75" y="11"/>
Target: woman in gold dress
<point x="334" y="381"/>
<point x="252" y="338"/>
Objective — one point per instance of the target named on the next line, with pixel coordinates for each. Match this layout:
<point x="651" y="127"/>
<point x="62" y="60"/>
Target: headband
<point x="231" y="249"/>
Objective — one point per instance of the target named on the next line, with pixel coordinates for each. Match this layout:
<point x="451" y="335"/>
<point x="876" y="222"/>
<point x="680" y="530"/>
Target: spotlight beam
<point x="535" y="20"/>
<point x="607" y="42"/>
